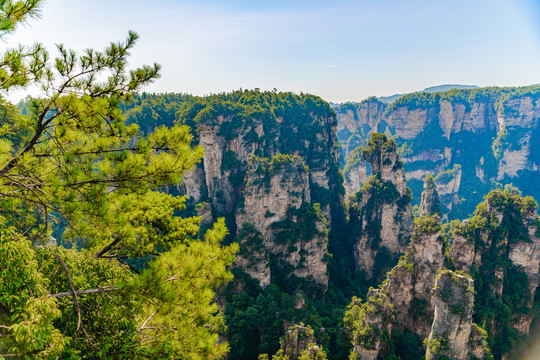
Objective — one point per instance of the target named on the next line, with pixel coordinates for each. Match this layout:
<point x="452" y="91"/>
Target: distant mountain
<point x="446" y="87"/>
<point x="432" y="89"/>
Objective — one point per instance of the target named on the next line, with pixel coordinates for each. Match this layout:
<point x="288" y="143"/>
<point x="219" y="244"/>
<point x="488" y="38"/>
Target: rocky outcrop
<point x="359" y="120"/>
<point x="512" y="233"/>
<point x="299" y="343"/>
<point x="269" y="158"/>
<point x="430" y="203"/>
<point x="459" y="127"/>
<point x="453" y="334"/>
<point x="403" y="300"/>
<point x="355" y="178"/>
<point x="380" y="213"/>
<point x="232" y="130"/>
<point x="356" y="172"/>
<point x="278" y="225"/>
<point x="500" y="245"/>
<point x="514" y="158"/>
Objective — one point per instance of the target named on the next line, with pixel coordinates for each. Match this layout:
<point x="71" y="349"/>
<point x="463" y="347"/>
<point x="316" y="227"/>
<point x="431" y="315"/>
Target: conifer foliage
<point x="135" y="281"/>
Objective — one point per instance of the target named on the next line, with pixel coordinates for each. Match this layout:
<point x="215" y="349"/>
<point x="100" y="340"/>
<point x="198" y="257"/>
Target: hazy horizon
<point x="340" y="50"/>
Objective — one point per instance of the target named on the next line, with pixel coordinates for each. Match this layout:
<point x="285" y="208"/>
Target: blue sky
<point x="340" y="50"/>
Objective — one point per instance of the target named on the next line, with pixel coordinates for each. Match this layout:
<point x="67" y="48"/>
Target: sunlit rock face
<point x="490" y="133"/>
<point x="505" y="227"/>
<point x="381" y="214"/>
<point x="269" y="159"/>
<point x="453" y="334"/>
<point x="276" y="202"/>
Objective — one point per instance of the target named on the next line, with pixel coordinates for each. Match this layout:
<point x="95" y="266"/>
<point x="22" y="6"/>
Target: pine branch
<point x="75" y="300"/>
<point x="146" y="322"/>
<point x="107" y="248"/>
<point x="101" y="290"/>
<point x="73" y="292"/>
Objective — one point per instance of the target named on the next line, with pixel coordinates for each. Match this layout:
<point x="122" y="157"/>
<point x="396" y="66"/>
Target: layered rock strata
<point x="502" y="244"/>
<point x="430" y="203"/>
<point x="403" y="300"/>
<point x="453" y="334"/>
<point x="490" y="132"/>
<point x="232" y="130"/>
<point x="278" y="225"/>
<point x="380" y="214"/>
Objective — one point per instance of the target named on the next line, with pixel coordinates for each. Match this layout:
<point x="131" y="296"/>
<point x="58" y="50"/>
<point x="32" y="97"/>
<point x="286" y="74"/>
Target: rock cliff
<point x="380" y="213"/>
<point x="234" y="127"/>
<point x="500" y="247"/>
<point x="453" y="334"/>
<point x="242" y="133"/>
<point x="488" y="131"/>
<point x="299" y="343"/>
<point x="430" y="203"/>
<point x="278" y="225"/>
<point x="403" y="300"/>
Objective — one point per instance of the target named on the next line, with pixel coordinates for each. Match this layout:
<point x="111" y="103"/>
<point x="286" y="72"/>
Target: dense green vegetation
<point x="152" y="110"/>
<point x="84" y="166"/>
<point x="136" y="282"/>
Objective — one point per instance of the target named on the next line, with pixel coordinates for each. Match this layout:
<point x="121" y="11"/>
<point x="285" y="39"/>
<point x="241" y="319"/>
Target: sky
<point x="341" y="50"/>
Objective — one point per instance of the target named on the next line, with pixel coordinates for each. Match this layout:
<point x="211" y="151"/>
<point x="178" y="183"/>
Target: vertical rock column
<point x="381" y="213"/>
<point x="453" y="334"/>
<point x="430" y="204"/>
<point x="277" y="220"/>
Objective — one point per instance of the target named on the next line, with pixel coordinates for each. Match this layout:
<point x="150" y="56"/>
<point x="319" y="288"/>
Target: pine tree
<point x="136" y="281"/>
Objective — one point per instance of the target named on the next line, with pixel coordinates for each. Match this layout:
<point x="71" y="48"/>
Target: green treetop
<point x="136" y="282"/>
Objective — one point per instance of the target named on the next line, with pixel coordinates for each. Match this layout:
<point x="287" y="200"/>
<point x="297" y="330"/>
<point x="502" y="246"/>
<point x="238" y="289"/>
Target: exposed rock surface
<point x="276" y="206"/>
<point x="355" y="177"/>
<point x="430" y="203"/>
<point x="505" y="227"/>
<point x="403" y="301"/>
<point x="437" y="131"/>
<point x="381" y="213"/>
<point x="299" y="342"/>
<point x="230" y="141"/>
<point x="453" y="333"/>
<point x="246" y="131"/>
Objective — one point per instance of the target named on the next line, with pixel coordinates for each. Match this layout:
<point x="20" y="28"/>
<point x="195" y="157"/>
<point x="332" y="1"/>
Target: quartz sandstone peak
<point x="504" y="227"/>
<point x="299" y="342"/>
<point x="403" y="300"/>
<point x="453" y="334"/>
<point x="441" y="130"/>
<point x="430" y="204"/>
<point x="277" y="220"/>
<point x="294" y="138"/>
<point x="381" y="213"/>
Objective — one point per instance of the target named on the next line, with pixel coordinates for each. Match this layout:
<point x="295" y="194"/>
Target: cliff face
<point x="278" y="225"/>
<point x="430" y="203"/>
<point x="232" y="130"/>
<point x="380" y="214"/>
<point x="500" y="247"/>
<point x="270" y="157"/>
<point x="299" y="343"/>
<point x="420" y="297"/>
<point x="403" y="300"/>
<point x="488" y="132"/>
<point x="225" y="160"/>
<point x="453" y="334"/>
